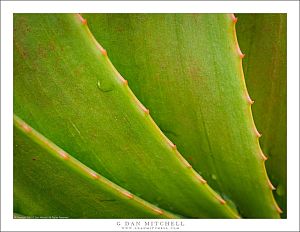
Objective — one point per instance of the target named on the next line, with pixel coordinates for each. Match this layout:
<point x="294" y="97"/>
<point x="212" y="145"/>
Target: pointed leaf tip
<point x="83" y="20"/>
<point x="104" y="52"/>
<point x="234" y="19"/>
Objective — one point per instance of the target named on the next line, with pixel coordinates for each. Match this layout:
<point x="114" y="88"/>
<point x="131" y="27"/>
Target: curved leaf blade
<point x="262" y="38"/>
<point x="48" y="182"/>
<point x="67" y="89"/>
<point x="187" y="69"/>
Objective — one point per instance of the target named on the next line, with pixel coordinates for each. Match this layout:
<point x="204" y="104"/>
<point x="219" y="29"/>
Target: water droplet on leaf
<point x="280" y="190"/>
<point x="213" y="176"/>
<point x="103" y="87"/>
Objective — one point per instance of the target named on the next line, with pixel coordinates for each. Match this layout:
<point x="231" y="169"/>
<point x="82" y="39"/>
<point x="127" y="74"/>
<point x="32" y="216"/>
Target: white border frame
<point x="7" y="10"/>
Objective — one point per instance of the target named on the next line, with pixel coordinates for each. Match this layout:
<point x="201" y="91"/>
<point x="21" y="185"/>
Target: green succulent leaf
<point x="48" y="182"/>
<point x="187" y="69"/>
<point x="262" y="38"/>
<point x="66" y="88"/>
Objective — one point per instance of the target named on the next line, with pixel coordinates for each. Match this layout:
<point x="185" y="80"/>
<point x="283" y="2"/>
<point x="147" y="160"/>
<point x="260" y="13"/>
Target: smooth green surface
<point x="48" y="186"/>
<point x="66" y="89"/>
<point x="262" y="38"/>
<point x="187" y="70"/>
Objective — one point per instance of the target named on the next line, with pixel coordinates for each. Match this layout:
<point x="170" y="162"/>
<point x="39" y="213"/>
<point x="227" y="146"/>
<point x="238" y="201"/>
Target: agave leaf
<point x="48" y="182"/>
<point x="187" y="69"/>
<point x="262" y="38"/>
<point x="66" y="88"/>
